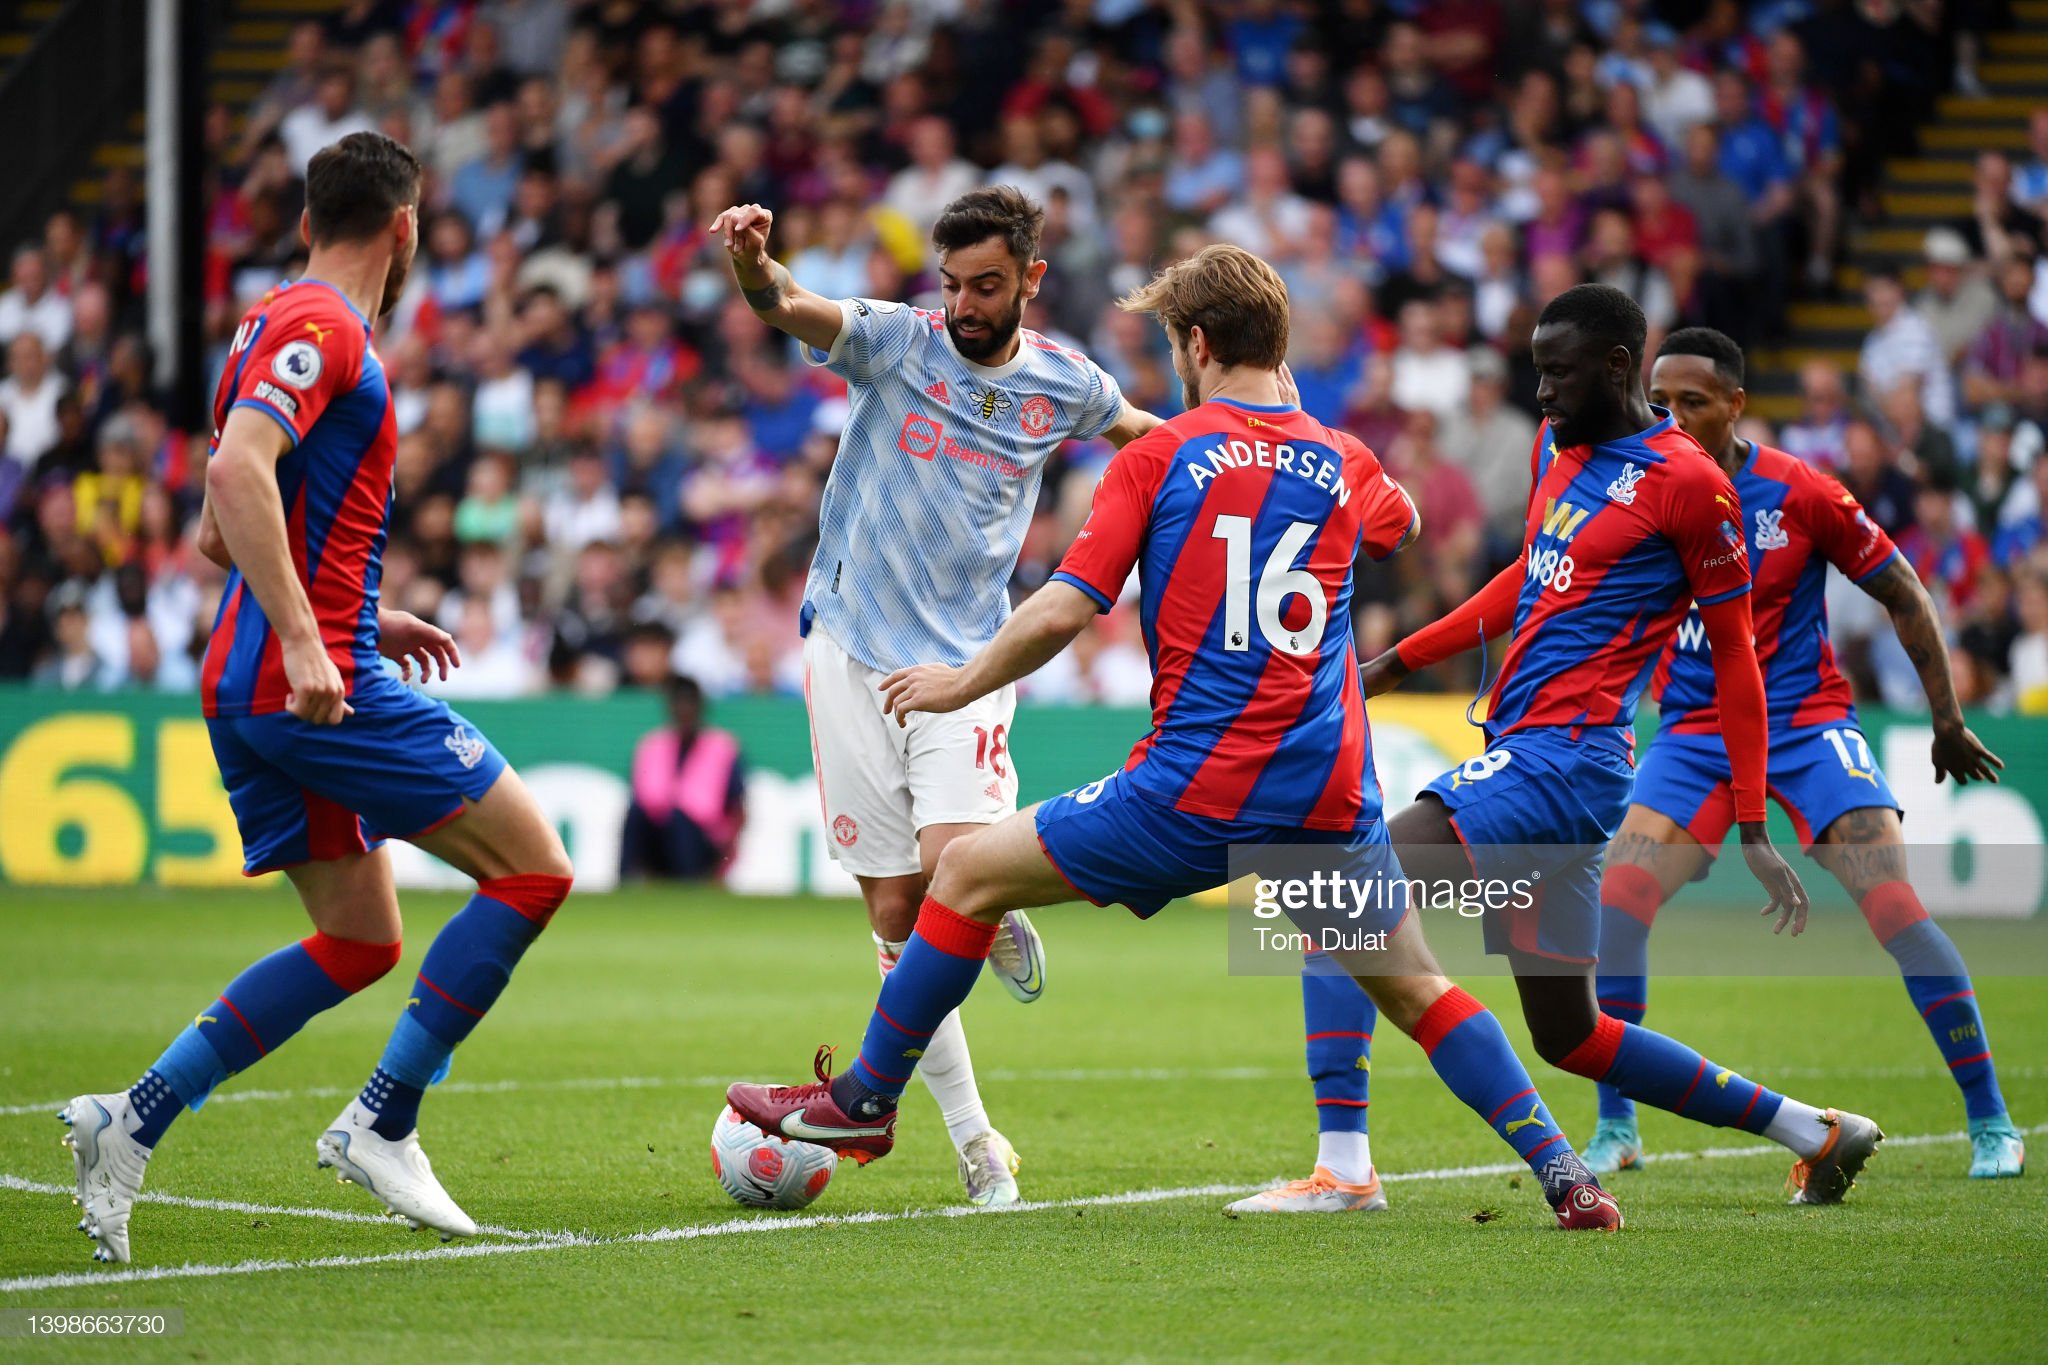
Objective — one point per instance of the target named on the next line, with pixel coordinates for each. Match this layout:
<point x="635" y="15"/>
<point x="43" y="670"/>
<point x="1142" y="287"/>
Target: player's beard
<point x="394" y="278"/>
<point x="996" y="336"/>
<point x="1184" y="370"/>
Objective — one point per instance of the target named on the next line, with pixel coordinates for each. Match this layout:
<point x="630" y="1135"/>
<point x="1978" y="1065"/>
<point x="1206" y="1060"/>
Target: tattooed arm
<point x="1957" y="752"/>
<point x="765" y="284"/>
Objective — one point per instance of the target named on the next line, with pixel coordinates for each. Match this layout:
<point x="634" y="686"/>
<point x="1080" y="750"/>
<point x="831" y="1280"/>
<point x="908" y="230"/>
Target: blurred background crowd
<point x="609" y="470"/>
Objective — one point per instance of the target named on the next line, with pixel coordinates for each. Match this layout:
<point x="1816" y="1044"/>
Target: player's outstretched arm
<point x="1745" y="730"/>
<point x="765" y="282"/>
<point x="1046" y="624"/>
<point x="1130" y="424"/>
<point x="1486" y="615"/>
<point x="241" y="486"/>
<point x="1957" y="752"/>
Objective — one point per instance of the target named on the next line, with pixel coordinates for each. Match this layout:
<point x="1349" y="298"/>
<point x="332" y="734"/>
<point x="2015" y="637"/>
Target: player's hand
<point x="315" y="692"/>
<point x="743" y="229"/>
<point x="1788" y="896"/>
<point x="1383" y="674"/>
<point x="1290" y="393"/>
<point x="1960" y="754"/>
<point x="922" y="687"/>
<point x="410" y="642"/>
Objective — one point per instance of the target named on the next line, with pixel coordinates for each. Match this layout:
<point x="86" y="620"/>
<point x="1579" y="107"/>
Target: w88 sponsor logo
<point x="1551" y="568"/>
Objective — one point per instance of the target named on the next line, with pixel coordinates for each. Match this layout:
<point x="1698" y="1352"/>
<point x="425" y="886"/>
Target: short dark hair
<point x="683" y="687"/>
<point x="354" y="186"/>
<point x="1605" y="314"/>
<point x="1718" y="347"/>
<point x="996" y="211"/>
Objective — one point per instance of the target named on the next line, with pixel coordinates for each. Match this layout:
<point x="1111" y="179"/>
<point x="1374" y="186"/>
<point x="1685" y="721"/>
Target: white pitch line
<point x="15" y="1182"/>
<point x="1070" y="1076"/>
<point x="741" y="1226"/>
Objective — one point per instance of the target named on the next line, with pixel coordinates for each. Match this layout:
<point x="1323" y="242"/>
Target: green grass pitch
<point x="583" y="1106"/>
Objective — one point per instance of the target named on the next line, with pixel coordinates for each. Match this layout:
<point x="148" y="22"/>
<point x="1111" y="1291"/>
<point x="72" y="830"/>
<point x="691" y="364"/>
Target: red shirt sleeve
<point x="1389" y="514"/>
<point x="1485" y="615"/>
<point x="1739" y="691"/>
<point x="1702" y="518"/>
<point x="1104" y="553"/>
<point x="300" y="356"/>
<point x="1843" y="531"/>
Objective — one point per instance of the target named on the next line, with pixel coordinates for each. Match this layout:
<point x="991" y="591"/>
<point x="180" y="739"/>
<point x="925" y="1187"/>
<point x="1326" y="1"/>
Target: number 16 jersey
<point x="1244" y="522"/>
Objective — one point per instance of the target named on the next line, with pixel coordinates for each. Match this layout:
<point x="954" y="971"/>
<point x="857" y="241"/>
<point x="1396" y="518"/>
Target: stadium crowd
<point x="608" y="469"/>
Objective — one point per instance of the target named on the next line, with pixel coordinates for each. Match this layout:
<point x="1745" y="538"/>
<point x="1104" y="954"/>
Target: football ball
<point x="765" y="1172"/>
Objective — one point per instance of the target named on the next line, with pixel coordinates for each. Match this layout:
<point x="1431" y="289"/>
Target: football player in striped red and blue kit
<point x="1821" y="770"/>
<point x="1243" y="518"/>
<point x="323" y="752"/>
<point x="1630" y="522"/>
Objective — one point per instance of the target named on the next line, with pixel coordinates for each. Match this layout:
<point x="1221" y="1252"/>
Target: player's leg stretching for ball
<point x="894" y="797"/>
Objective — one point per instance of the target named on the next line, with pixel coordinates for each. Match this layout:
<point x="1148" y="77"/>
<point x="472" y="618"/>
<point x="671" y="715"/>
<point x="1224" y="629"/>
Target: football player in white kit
<point x="953" y="416"/>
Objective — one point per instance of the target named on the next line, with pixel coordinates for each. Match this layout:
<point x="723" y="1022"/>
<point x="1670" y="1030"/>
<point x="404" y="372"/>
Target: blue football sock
<point x="1339" y="1019"/>
<point x="258" y="1012"/>
<point x="930" y="980"/>
<point x="1939" y="985"/>
<point x="1470" y="1052"/>
<point x="466" y="968"/>
<point x="1654" y="1069"/>
<point x="1627" y="999"/>
<point x="1629" y="899"/>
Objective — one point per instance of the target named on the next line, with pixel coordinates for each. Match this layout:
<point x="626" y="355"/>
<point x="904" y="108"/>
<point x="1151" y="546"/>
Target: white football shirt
<point x="936" y="480"/>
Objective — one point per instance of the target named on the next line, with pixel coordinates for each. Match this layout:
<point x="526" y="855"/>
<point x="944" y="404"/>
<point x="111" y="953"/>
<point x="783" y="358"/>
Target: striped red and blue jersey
<point x="1621" y="538"/>
<point x="1800" y="520"/>
<point x="1243" y="522"/>
<point x="302" y="358"/>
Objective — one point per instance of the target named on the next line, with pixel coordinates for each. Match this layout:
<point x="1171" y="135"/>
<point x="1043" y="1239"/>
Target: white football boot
<point x="1017" y="957"/>
<point x="109" y="1164"/>
<point x="397" y="1174"/>
<point x="1320" y="1193"/>
<point x="988" y="1168"/>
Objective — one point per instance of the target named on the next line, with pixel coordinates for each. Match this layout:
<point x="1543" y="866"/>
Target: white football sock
<point x="947" y="1070"/>
<point x="1348" y="1156"/>
<point x="1800" y="1127"/>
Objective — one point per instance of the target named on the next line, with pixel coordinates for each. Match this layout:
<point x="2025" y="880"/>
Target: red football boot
<point x="806" y="1113"/>
<point x="1588" y="1207"/>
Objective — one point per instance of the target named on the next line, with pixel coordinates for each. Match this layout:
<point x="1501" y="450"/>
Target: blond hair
<point x="1238" y="301"/>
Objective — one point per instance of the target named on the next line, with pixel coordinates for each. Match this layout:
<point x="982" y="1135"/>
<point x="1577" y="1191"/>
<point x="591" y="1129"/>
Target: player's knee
<point x="349" y="963"/>
<point x="952" y="884"/>
<point x="536" y="895"/>
<point x="1558" y="1035"/>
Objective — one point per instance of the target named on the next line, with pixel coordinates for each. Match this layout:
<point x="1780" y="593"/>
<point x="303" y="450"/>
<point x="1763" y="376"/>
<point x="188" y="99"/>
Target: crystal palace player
<point x="1629" y="521"/>
<point x="1243" y="517"/>
<point x="325" y="754"/>
<point x="1821" y="771"/>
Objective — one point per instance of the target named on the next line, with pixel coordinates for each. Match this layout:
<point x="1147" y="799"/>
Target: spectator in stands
<point x="1729" y="249"/>
<point x="1429" y="373"/>
<point x="28" y="399"/>
<point x="1678" y="99"/>
<point x="935" y="177"/>
<point x="1267" y="218"/>
<point x="689" y="795"/>
<point x="296" y="84"/>
<point x="31" y="305"/>
<point x="2021" y="519"/>
<point x="1997" y="354"/>
<point x="1490" y="439"/>
<point x="1872" y="473"/>
<point x="71" y="663"/>
<point x="1202" y="175"/>
<point x="1997" y="227"/>
<point x="1992" y="476"/>
<point x="1902" y="348"/>
<point x="2030" y="650"/>
<point x="1958" y="301"/>
<point x="332" y="116"/>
